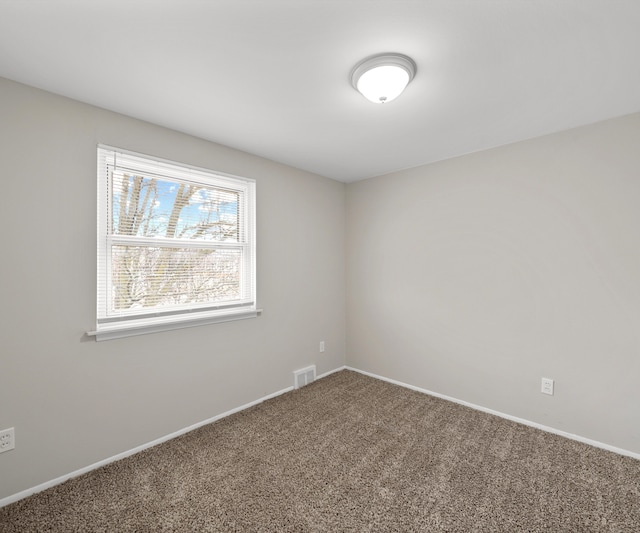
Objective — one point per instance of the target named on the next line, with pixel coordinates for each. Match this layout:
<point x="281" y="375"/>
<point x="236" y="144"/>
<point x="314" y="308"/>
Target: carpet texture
<point x="349" y="453"/>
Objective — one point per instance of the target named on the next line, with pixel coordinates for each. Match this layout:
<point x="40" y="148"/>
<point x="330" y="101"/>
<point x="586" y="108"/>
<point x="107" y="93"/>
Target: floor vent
<point x="304" y="376"/>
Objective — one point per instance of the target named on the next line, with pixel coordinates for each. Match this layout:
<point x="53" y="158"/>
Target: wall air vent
<point x="304" y="376"/>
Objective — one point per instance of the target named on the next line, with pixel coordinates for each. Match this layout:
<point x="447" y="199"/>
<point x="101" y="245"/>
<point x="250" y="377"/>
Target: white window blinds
<point x="176" y="245"/>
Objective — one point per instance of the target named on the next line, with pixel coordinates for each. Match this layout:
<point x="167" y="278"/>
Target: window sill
<point x="144" y="326"/>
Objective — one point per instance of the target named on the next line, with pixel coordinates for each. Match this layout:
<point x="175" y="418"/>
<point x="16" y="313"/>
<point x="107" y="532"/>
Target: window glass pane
<point x="176" y="245"/>
<point x="146" y="206"/>
<point x="146" y="278"/>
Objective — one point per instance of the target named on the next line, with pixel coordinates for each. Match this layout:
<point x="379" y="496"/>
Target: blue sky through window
<point x="153" y="207"/>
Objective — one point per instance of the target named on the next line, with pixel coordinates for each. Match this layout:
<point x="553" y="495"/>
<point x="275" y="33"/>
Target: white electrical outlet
<point x="7" y="440"/>
<point x="321" y="346"/>
<point x="547" y="386"/>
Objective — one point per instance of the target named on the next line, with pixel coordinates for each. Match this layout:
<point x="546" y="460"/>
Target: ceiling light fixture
<point x="382" y="78"/>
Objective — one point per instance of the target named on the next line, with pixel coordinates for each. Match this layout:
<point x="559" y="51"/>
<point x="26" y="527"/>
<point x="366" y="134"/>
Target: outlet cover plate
<point x="7" y="440"/>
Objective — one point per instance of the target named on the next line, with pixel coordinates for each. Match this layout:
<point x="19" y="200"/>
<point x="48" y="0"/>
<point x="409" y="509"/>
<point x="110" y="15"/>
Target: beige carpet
<point x="349" y="453"/>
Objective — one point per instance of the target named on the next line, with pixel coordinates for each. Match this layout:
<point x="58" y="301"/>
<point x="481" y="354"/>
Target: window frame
<point x="112" y="324"/>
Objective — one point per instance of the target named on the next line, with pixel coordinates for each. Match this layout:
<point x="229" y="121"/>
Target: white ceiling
<point x="271" y="77"/>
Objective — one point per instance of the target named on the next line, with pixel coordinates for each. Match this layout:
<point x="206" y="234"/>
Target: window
<point x="176" y="245"/>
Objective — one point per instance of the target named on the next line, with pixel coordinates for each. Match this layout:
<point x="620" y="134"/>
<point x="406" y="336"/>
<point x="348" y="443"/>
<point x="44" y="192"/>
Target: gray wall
<point x="476" y="276"/>
<point x="472" y="277"/>
<point x="73" y="401"/>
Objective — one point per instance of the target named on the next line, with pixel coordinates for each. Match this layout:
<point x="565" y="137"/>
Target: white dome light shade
<point x="382" y="78"/>
<point x="383" y="84"/>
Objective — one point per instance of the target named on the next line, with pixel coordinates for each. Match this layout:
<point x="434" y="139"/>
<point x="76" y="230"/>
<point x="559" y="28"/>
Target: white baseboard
<point x="343" y="367"/>
<point x="43" y="486"/>
<point x="548" y="429"/>
<point x="57" y="481"/>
